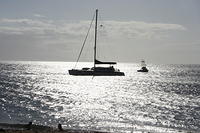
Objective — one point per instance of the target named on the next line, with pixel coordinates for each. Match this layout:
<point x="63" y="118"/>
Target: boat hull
<point x="94" y="73"/>
<point x="142" y="70"/>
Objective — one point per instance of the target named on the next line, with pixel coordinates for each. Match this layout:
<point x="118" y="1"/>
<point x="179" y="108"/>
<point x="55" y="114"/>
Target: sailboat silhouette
<point x="97" y="70"/>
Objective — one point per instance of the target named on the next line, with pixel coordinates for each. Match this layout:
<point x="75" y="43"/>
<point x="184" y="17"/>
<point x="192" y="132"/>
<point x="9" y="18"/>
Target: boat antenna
<point x="95" y="41"/>
<point x="84" y="41"/>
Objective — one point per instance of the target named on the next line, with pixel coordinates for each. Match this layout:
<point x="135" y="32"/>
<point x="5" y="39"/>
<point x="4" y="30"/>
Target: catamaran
<point x="97" y="70"/>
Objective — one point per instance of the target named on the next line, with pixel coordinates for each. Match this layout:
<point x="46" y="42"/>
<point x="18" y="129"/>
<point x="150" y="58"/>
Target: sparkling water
<point x="166" y="99"/>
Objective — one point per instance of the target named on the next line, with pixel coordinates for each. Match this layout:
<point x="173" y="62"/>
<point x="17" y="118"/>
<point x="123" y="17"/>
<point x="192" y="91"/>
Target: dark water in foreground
<point x="167" y="99"/>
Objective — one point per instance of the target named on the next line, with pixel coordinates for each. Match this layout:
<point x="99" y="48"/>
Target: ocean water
<point x="167" y="99"/>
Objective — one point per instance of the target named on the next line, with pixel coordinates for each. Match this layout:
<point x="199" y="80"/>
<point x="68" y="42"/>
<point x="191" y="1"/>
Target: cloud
<point x="138" y="29"/>
<point x="45" y="39"/>
<point x="39" y="16"/>
<point x="76" y="29"/>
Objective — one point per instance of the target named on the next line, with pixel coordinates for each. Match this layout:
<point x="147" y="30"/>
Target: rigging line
<point x="84" y="42"/>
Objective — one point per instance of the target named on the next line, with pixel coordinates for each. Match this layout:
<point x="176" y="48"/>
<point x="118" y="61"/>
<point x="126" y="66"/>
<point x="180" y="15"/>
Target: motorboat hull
<point x="142" y="70"/>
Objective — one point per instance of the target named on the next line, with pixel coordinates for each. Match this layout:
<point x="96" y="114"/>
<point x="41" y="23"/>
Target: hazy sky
<point x="159" y="31"/>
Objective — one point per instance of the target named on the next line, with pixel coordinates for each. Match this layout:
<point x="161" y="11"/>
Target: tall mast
<point x="95" y="40"/>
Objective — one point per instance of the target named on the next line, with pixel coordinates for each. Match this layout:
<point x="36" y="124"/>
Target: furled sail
<point x="100" y="62"/>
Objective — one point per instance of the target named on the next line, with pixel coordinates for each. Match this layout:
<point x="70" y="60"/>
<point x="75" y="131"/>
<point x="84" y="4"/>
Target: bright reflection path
<point x="166" y="99"/>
